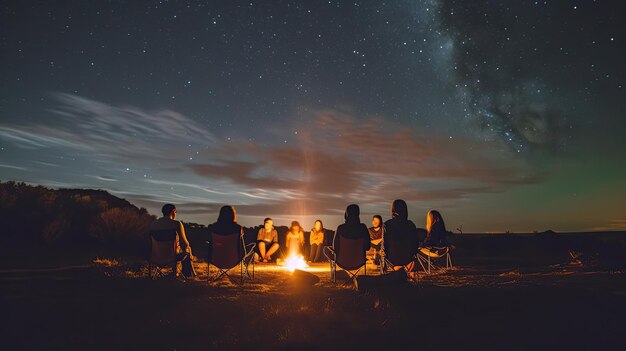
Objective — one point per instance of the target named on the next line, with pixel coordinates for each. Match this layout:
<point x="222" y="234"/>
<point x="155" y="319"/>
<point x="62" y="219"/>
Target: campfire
<point x="295" y="262"/>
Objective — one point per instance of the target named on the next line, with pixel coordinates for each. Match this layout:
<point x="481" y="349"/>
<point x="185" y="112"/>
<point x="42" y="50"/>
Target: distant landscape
<point x="73" y="266"/>
<point x="88" y="221"/>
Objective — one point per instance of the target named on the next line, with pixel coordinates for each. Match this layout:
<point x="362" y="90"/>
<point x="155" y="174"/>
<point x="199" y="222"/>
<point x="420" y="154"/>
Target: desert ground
<point x="505" y="292"/>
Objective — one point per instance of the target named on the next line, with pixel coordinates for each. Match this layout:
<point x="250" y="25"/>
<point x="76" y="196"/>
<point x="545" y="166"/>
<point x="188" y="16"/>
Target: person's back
<point x="164" y="229"/>
<point x="401" y="238"/>
<point x="226" y="225"/>
<point x="436" y="229"/>
<point x="352" y="229"/>
<point x="224" y="229"/>
<point x="168" y="229"/>
<point x="400" y="235"/>
<point x="165" y="242"/>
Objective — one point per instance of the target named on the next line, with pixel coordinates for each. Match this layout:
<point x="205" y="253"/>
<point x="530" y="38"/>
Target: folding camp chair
<point x="398" y="254"/>
<point x="429" y="258"/>
<point x="350" y="257"/>
<point x="225" y="253"/>
<point x="162" y="254"/>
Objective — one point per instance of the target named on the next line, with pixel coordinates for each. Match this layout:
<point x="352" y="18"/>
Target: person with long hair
<point x="226" y="224"/>
<point x="436" y="230"/>
<point x="295" y="239"/>
<point x="316" y="240"/>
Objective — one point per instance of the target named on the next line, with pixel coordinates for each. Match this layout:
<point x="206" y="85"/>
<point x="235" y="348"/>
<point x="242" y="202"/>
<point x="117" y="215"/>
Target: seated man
<point x="167" y="228"/>
<point x="376" y="238"/>
<point x="267" y="242"/>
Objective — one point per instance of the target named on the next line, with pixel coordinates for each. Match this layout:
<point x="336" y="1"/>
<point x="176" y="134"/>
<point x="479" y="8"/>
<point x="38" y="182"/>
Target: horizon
<point x="254" y="222"/>
<point x="493" y="114"/>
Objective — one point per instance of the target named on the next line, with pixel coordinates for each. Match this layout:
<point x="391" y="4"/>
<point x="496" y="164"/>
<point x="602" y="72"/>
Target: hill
<point x="39" y="215"/>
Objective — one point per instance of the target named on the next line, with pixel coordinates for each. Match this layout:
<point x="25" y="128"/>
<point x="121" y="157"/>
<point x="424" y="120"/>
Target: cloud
<point x="612" y="225"/>
<point x="340" y="159"/>
<point x="112" y="132"/>
<point x="2" y="165"/>
<point x="38" y="138"/>
<point x="336" y="159"/>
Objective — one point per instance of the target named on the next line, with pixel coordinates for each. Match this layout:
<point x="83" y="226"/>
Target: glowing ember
<point x="295" y="262"/>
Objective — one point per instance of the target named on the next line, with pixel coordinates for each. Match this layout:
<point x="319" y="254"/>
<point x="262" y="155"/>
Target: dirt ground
<point x="505" y="292"/>
<point x="112" y="305"/>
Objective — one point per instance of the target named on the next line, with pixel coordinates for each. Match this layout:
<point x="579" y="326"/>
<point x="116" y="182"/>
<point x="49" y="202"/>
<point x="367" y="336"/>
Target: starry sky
<point x="503" y="115"/>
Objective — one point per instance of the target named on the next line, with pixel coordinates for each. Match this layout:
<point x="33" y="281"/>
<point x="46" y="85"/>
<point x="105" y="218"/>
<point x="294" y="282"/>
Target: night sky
<point x="503" y="115"/>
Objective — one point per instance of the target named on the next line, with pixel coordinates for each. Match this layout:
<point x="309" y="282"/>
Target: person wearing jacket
<point x="401" y="238"/>
<point x="352" y="228"/>
<point x="316" y="240"/>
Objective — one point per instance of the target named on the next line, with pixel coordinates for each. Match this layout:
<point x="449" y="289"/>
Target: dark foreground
<point x="512" y="306"/>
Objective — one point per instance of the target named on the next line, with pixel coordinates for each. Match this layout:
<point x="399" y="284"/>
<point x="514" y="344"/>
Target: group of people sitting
<point x="267" y="241"/>
<point x="398" y="231"/>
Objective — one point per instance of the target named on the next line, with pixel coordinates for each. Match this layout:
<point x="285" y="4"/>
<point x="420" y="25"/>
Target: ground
<point x="110" y="304"/>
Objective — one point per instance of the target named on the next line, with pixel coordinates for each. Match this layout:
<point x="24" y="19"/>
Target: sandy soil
<point x="110" y="304"/>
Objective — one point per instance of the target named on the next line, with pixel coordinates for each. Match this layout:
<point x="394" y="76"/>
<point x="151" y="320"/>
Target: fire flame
<point x="295" y="262"/>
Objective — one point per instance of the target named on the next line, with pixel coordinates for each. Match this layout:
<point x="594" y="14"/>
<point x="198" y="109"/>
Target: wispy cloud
<point x="340" y="158"/>
<point x="615" y="224"/>
<point x="337" y="158"/>
<point x="29" y="137"/>
<point x="2" y="165"/>
<point x="115" y="132"/>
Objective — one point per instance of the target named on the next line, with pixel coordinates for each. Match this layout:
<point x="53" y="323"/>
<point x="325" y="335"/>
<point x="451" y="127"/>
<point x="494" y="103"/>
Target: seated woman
<point x="401" y="240"/>
<point x="316" y="239"/>
<point x="352" y="228"/>
<point x="436" y="231"/>
<point x="295" y="239"/>
<point x="266" y="242"/>
<point x="226" y="224"/>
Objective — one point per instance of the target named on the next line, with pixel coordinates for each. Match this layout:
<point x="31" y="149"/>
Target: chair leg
<point x="352" y="276"/>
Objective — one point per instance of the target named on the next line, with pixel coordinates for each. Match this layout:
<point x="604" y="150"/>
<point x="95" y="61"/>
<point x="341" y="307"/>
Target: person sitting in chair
<point x="436" y="231"/>
<point x="352" y="228"/>
<point x="316" y="239"/>
<point x="267" y="242"/>
<point x="167" y="228"/>
<point x="401" y="235"/>
<point x="294" y="241"/>
<point x="376" y="236"/>
<point x="226" y="224"/>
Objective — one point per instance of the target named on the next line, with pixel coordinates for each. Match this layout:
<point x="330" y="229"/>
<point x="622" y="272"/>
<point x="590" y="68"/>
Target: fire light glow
<point x="295" y="262"/>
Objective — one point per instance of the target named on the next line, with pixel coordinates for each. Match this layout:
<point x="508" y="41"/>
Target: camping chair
<point x="429" y="257"/>
<point x="350" y="257"/>
<point x="162" y="254"/>
<point x="398" y="254"/>
<point x="225" y="253"/>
